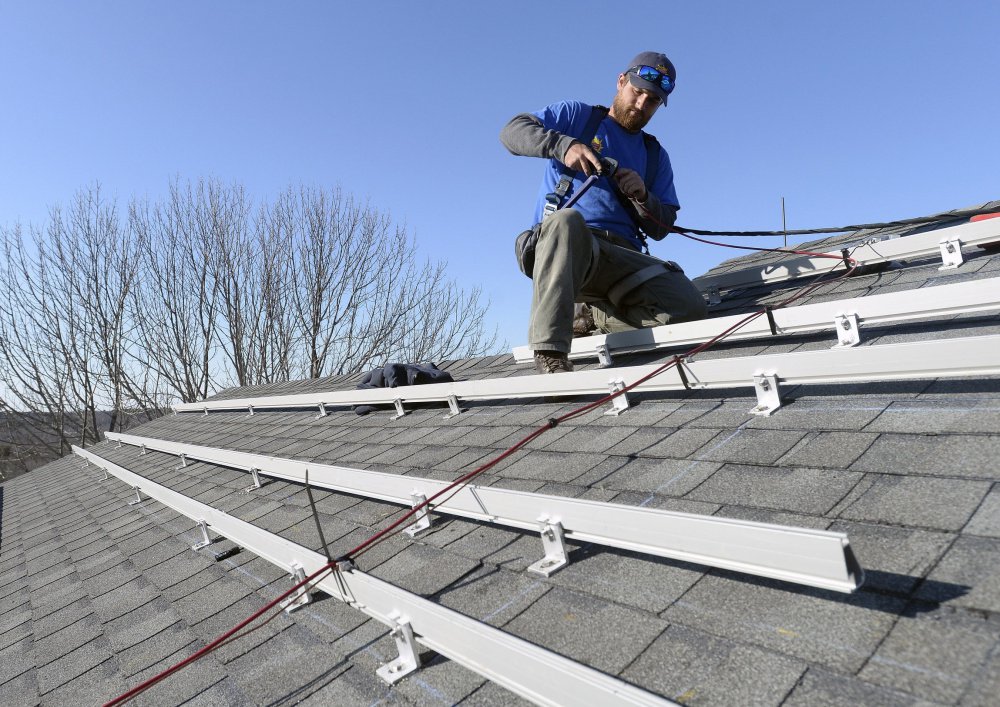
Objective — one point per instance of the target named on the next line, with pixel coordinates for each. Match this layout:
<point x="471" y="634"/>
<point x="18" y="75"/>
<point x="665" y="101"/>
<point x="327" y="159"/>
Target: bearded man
<point x="592" y="252"/>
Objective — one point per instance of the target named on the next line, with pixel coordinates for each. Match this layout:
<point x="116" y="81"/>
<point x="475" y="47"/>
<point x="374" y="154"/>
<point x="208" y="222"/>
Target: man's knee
<point x="566" y="225"/>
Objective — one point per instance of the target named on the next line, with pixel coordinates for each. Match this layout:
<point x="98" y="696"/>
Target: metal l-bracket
<point x="423" y="517"/>
<point x="184" y="462"/>
<point x="604" y="359"/>
<point x="250" y="407"/>
<point x="554" y="543"/>
<point x="142" y="450"/>
<point x="409" y="658"/>
<point x="256" y="480"/>
<point x="453" y="407"/>
<point x="848" y="333"/>
<point x="205" y="539"/>
<point x="301" y="597"/>
<point x="619" y="404"/>
<point x="322" y="411"/>
<point x="138" y="498"/>
<point x="951" y="253"/>
<point x="768" y="395"/>
<point x="714" y="296"/>
<point x="398" y="402"/>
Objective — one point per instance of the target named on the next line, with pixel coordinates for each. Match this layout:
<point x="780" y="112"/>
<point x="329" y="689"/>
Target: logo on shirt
<point x="596" y="145"/>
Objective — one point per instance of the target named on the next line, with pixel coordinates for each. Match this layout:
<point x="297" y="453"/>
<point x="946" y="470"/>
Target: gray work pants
<point x="573" y="265"/>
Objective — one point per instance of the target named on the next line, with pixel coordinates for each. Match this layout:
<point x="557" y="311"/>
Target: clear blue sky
<point x="853" y="111"/>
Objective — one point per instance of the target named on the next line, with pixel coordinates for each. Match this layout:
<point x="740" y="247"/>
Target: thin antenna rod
<point x="784" y="226"/>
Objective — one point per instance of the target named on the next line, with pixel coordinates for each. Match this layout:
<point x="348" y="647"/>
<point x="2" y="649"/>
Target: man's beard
<point x="629" y="118"/>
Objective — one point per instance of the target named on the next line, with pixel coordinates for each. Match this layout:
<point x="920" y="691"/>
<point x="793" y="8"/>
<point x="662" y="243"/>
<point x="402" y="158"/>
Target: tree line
<point x="127" y="310"/>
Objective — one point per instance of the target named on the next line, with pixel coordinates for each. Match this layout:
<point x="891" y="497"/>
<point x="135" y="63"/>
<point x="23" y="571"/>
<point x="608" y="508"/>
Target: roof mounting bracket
<point x="768" y="395"/>
<point x="138" y="498"/>
<point x="142" y="450"/>
<point x="951" y="253"/>
<point x="453" y="407"/>
<point x="205" y="539"/>
<point x="322" y="411"/>
<point x="554" y="543"/>
<point x="604" y="359"/>
<point x="714" y="296"/>
<point x="256" y="480"/>
<point x="206" y="412"/>
<point x="250" y="407"/>
<point x="398" y="402"/>
<point x="409" y="659"/>
<point x="301" y="596"/>
<point x="423" y="517"/>
<point x="120" y="442"/>
<point x="184" y="462"/>
<point x="619" y="403"/>
<point x="106" y="474"/>
<point x="848" y="333"/>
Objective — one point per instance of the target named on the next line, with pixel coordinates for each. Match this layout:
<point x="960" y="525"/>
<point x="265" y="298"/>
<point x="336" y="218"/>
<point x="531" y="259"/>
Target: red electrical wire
<point x="455" y="486"/>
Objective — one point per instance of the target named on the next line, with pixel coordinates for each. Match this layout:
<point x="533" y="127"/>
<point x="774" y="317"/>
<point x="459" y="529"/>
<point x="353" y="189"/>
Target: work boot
<point x="583" y="320"/>
<point x="552" y="362"/>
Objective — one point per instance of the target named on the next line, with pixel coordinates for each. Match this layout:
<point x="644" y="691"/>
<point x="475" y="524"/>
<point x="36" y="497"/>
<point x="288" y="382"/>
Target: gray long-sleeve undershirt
<point x="525" y="135"/>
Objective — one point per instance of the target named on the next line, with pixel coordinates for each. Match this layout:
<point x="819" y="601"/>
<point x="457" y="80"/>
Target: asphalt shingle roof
<point x="97" y="595"/>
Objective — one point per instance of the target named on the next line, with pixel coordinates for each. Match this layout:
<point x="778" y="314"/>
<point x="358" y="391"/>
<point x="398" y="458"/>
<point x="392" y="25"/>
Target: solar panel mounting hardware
<point x="250" y="407"/>
<point x="206" y="411"/>
<point x="453" y="407"/>
<point x="120" y="442"/>
<point x="301" y="597"/>
<point x="184" y="463"/>
<point x="848" y="333"/>
<point x="205" y="539"/>
<point x="409" y="657"/>
<point x="554" y="543"/>
<point x="604" y="359"/>
<point x="142" y="450"/>
<point x="768" y="396"/>
<point x="526" y="669"/>
<point x="256" y="480"/>
<point x="619" y="404"/>
<point x="422" y="517"/>
<point x="938" y="301"/>
<point x="951" y="253"/>
<point x="400" y="412"/>
<point x="714" y="296"/>
<point x="138" y="498"/>
<point x="322" y="411"/>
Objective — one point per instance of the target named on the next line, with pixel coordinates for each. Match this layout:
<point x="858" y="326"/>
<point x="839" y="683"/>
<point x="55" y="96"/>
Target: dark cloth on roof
<point x="394" y="375"/>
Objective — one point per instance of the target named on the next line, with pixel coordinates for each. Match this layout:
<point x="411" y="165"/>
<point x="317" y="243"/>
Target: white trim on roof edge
<point x="869" y="252"/>
<point x="940" y="301"/>
<point x="916" y="360"/>
<point x="533" y="672"/>
<point x="816" y="558"/>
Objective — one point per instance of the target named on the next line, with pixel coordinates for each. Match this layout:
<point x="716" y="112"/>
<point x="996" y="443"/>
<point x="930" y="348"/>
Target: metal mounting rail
<point x="530" y="671"/>
<point x="940" y="301"/>
<point x="946" y="241"/>
<point x="804" y="556"/>
<point x="943" y="358"/>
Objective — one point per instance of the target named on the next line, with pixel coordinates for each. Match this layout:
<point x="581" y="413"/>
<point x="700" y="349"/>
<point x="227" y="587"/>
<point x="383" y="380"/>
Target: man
<point x="592" y="252"/>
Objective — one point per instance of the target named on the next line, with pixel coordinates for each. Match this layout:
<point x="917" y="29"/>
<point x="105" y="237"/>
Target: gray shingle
<point x="922" y="502"/>
<point x="694" y="668"/>
<point x="966" y="456"/>
<point x="574" y="624"/>
<point x="793" y="489"/>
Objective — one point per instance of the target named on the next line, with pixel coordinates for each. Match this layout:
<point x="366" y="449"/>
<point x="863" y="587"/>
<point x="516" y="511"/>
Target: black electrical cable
<point x="922" y="220"/>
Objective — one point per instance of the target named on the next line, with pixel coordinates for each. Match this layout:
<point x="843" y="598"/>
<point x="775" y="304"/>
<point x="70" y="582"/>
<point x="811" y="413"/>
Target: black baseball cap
<point x="657" y="61"/>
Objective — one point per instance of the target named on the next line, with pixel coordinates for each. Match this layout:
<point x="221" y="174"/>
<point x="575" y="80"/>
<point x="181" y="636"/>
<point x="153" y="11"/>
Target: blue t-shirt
<point x="599" y="206"/>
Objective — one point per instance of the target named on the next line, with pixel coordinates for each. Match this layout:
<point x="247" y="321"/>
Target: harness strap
<point x="630" y="282"/>
<point x="554" y="199"/>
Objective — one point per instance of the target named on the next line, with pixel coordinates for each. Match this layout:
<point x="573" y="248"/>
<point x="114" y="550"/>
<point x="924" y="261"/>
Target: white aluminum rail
<point x="804" y="556"/>
<point x="526" y="669"/>
<point x="945" y="358"/>
<point x="946" y="241"/>
<point x="940" y="301"/>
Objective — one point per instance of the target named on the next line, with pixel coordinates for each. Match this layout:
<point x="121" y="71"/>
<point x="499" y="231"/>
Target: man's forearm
<point x="524" y="135"/>
<point x="655" y="217"/>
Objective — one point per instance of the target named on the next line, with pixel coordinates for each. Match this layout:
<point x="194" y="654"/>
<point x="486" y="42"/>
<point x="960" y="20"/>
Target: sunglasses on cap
<point x="648" y="73"/>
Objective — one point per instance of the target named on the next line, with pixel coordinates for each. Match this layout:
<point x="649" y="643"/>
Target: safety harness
<point x="555" y="198"/>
